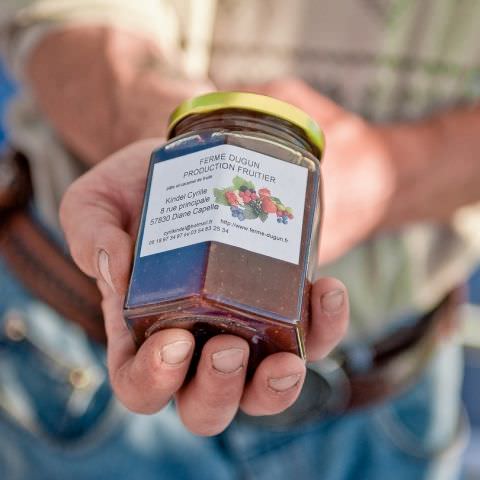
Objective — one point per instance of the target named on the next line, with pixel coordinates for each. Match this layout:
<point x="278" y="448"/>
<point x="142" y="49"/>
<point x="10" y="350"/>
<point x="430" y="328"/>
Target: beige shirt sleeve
<point x="24" y="22"/>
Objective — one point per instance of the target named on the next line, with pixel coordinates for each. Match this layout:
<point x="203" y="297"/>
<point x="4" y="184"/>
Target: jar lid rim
<point x="214" y="101"/>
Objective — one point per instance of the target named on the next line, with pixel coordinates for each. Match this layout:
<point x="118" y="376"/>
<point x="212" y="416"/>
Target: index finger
<point x="144" y="380"/>
<point x="99" y="213"/>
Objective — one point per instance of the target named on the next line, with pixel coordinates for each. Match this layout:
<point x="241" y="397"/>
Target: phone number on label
<point x="190" y="233"/>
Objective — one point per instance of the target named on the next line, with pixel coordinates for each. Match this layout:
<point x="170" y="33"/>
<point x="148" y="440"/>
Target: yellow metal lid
<point x="211" y="102"/>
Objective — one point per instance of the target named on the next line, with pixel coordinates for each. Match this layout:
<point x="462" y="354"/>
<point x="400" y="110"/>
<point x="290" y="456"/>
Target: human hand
<point x="102" y="88"/>
<point x="358" y="173"/>
<point x="100" y="214"/>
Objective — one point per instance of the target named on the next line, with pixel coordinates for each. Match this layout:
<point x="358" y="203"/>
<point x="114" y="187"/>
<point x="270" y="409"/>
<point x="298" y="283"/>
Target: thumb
<point x="100" y="208"/>
<point x="98" y="244"/>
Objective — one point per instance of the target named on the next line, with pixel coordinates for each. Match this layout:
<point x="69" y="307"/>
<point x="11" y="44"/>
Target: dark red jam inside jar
<point x="229" y="229"/>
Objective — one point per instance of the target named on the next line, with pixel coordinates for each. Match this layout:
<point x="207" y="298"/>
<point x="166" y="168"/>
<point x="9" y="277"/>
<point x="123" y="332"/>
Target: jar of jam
<point x="229" y="229"/>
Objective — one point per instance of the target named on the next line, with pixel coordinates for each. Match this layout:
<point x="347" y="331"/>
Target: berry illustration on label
<point x="246" y="203"/>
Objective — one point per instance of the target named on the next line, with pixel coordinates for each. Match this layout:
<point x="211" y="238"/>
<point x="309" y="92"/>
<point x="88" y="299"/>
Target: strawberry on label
<point x="268" y="206"/>
<point x="248" y="204"/>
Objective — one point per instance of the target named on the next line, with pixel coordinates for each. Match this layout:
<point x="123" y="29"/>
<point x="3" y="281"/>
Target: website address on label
<point x="260" y="233"/>
<point x="275" y="238"/>
<point x="186" y="228"/>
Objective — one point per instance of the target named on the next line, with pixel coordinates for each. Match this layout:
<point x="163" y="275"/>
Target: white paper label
<point x="230" y="195"/>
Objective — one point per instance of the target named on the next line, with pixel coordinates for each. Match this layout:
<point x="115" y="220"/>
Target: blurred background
<point x="470" y="332"/>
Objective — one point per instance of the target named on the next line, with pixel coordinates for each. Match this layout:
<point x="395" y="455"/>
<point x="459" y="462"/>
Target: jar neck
<point x="248" y="121"/>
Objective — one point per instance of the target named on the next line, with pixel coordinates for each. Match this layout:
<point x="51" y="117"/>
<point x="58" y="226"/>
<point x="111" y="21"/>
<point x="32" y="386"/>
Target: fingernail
<point x="176" y="352"/>
<point x="228" y="361"/>
<point x="104" y="268"/>
<point x="283" y="384"/>
<point x="332" y="302"/>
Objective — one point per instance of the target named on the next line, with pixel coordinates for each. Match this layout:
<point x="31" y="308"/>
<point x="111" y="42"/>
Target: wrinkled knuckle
<point x="149" y="378"/>
<point x="146" y="372"/>
<point x="152" y="374"/>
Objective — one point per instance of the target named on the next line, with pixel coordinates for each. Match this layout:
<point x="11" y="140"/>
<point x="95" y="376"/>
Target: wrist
<point x="416" y="156"/>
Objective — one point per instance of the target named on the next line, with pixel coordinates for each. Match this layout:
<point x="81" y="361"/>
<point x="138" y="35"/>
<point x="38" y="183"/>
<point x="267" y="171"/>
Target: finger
<point x="330" y="316"/>
<point x="99" y="209"/>
<point x="275" y="385"/>
<point x="209" y="402"/>
<point x="145" y="381"/>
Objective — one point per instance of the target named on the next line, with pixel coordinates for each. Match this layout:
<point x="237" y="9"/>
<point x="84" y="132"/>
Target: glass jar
<point x="229" y="229"/>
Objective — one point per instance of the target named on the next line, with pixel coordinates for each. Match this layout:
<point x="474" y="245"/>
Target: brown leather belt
<point x="353" y="378"/>
<point x="37" y="260"/>
<point x="348" y="379"/>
